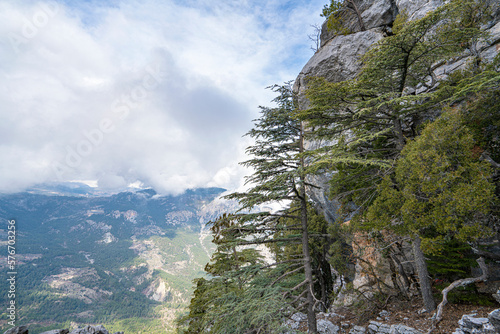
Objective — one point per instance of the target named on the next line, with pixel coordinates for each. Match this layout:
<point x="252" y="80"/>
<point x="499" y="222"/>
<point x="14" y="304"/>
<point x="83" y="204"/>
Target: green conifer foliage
<point x="440" y="191"/>
<point x="440" y="187"/>
<point x="254" y="296"/>
<point x="367" y="120"/>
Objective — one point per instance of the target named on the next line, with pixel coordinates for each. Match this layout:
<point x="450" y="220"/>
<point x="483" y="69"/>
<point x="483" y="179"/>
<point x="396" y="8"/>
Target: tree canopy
<point x="409" y="148"/>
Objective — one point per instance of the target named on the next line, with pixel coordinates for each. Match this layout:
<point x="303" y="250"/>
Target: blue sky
<point x="151" y="92"/>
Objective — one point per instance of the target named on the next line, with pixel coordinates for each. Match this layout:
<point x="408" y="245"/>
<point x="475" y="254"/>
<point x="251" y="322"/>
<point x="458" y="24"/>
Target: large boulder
<point x="494" y="318"/>
<point x="17" y="330"/>
<point x="326" y="327"/>
<point x="374" y="14"/>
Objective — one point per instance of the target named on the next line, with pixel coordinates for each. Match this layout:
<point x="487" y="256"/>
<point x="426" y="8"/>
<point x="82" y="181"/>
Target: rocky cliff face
<point x="339" y="59"/>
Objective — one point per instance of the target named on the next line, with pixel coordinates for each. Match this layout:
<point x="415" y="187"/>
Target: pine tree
<point x="294" y="233"/>
<point x="280" y="176"/>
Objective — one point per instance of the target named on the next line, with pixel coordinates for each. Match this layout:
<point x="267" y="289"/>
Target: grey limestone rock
<point x="338" y="60"/>
<point x="85" y="330"/>
<point x="378" y="328"/>
<point x="357" y="330"/>
<point x="458" y="331"/>
<point x="402" y="329"/>
<point x="326" y="327"/>
<point x="295" y="320"/>
<point x="298" y="317"/>
<point x="470" y="322"/>
<point x="374" y="14"/>
<point x="384" y="313"/>
<point x="90" y="330"/>
<point x="378" y="13"/>
<point x="492" y="47"/>
<point x="471" y="325"/>
<point x="17" y="330"/>
<point x="494" y="318"/>
<point x="417" y="9"/>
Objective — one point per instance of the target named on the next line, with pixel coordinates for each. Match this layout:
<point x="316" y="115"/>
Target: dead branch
<point x="485" y="156"/>
<point x="461" y="282"/>
<point x="301" y="306"/>
<point x="358" y="14"/>
<point x="301" y="296"/>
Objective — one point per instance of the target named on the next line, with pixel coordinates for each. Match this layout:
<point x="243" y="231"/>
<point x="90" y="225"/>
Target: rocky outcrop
<point x="85" y="330"/>
<point x="17" y="330"/>
<point x="468" y="324"/>
<point x="380" y="328"/>
<point x="471" y="325"/>
<point x="323" y="325"/>
<point x="326" y="326"/>
<point x="374" y="14"/>
<point x="339" y="59"/>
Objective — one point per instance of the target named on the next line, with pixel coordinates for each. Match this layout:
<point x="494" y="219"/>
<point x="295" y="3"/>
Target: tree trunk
<point x="358" y="14"/>
<point x="311" y="314"/>
<point x="399" y="134"/>
<point x="423" y="276"/>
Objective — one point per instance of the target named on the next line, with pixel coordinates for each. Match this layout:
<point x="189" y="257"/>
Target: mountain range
<point x="126" y="260"/>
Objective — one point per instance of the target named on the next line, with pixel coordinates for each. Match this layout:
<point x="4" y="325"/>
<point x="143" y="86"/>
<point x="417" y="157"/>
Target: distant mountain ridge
<point x="126" y="260"/>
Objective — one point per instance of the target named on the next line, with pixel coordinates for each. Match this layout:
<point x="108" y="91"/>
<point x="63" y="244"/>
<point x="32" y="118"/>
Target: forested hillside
<point x="406" y="145"/>
<point x="124" y="260"/>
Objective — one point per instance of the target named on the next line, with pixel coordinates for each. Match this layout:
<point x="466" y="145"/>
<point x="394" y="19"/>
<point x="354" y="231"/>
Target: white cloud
<point x="156" y="92"/>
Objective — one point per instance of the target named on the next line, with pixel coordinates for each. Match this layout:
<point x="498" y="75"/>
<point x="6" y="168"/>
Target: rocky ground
<point x="398" y="318"/>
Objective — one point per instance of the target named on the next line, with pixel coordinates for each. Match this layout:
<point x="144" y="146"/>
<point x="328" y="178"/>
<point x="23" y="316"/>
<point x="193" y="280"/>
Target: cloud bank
<point x="157" y="92"/>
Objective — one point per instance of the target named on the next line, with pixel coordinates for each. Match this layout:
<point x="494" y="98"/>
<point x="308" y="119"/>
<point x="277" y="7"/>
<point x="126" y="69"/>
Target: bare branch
<point x="485" y="156"/>
<point x="315" y="37"/>
<point x="461" y="282"/>
<point x="287" y="274"/>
